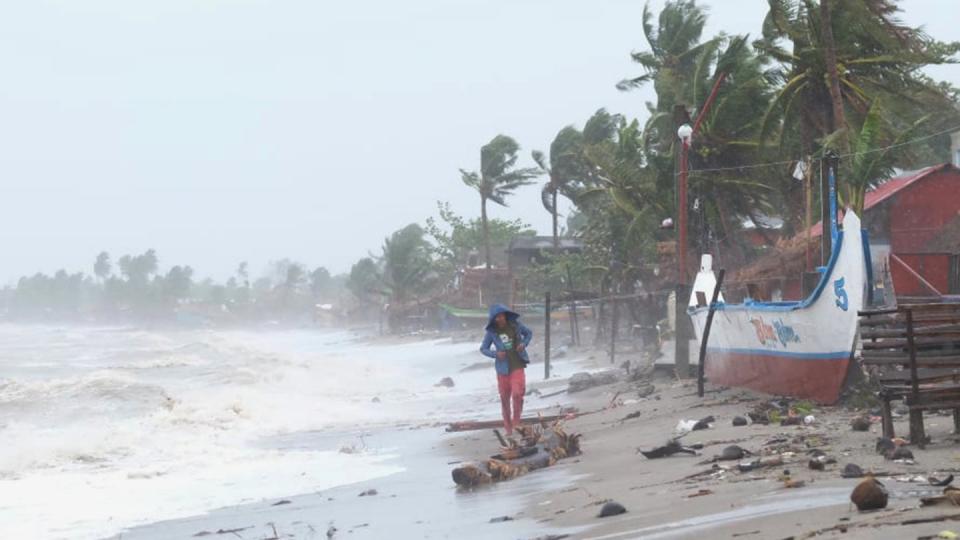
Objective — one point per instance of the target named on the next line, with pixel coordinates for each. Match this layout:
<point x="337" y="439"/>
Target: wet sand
<point x="661" y="503"/>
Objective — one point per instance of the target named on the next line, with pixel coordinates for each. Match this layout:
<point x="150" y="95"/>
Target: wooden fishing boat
<point x="800" y="349"/>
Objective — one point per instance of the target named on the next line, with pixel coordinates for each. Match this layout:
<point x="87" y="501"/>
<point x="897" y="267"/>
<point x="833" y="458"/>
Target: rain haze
<point x="258" y="280"/>
<point x="218" y="132"/>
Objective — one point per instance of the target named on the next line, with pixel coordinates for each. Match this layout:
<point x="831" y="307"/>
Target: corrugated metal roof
<point x="543" y="242"/>
<point x="890" y="188"/>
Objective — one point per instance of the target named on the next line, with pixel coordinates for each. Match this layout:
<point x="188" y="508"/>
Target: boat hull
<point x="817" y="379"/>
<point x="799" y="349"/>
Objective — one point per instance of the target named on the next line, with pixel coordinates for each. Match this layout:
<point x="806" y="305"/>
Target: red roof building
<point x="914" y="226"/>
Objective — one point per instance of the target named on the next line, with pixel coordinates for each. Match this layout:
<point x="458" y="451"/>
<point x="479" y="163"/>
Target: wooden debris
<point x="672" y="447"/>
<point x="539" y="448"/>
<point x="476" y="425"/>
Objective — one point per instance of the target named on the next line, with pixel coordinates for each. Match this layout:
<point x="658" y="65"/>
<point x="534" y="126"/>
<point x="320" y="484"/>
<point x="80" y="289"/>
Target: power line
<point x="851" y="154"/>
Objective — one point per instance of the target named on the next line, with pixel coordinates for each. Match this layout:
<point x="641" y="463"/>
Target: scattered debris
<point x="280" y="503"/>
<point x="669" y="449"/>
<point x="368" y="493"/>
<point x="739" y="421"/>
<point x="951" y="495"/>
<point x="501" y="519"/>
<point x="885" y="445"/>
<point x="760" y="463"/>
<point x="869" y="494"/>
<point x="851" y="470"/>
<point x="860" y="423"/>
<point x="686" y="426"/>
<point x="445" y="382"/>
<point x="375" y="399"/>
<point x="631" y="416"/>
<point x="900" y="453"/>
<point x="940" y="483"/>
<point x="583" y="380"/>
<point x="646" y="390"/>
<point x="700" y="493"/>
<point x="732" y="453"/>
<point x="539" y="447"/>
<point x="612" y="508"/>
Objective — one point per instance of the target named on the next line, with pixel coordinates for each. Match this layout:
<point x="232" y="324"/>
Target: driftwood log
<point x="476" y="425"/>
<point x="539" y="447"/>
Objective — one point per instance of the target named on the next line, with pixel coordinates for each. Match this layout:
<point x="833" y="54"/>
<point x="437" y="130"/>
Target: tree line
<point x="816" y="77"/>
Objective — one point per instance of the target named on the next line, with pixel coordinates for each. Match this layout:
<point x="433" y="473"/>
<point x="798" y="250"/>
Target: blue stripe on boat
<point x="785" y="354"/>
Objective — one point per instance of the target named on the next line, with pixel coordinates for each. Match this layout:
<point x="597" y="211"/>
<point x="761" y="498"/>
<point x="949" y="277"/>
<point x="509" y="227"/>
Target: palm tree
<point x="828" y="81"/>
<point x="102" y="266"/>
<point x="565" y="164"/>
<point x="407" y="268"/>
<point x="876" y="149"/>
<point x="498" y="178"/>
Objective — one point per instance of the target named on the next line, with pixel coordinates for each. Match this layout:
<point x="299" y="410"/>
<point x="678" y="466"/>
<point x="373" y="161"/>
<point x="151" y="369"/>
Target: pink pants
<point x="512" y="387"/>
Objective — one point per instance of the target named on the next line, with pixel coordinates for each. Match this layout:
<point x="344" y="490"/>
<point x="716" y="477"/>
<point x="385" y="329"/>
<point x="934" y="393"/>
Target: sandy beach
<point x="682" y="497"/>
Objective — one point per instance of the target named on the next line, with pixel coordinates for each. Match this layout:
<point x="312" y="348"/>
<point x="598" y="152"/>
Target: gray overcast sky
<point x="218" y="131"/>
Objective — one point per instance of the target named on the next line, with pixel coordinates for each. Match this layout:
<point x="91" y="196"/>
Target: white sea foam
<point x="104" y="429"/>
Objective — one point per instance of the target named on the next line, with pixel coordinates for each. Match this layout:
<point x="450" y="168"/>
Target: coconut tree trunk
<point x="833" y="76"/>
<point x="486" y="230"/>
<point x="556" y="233"/>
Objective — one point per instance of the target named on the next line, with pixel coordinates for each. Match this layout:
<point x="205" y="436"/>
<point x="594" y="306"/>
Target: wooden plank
<point x="901" y="354"/>
<point x="898" y="320"/>
<point x="927" y="375"/>
<point x="924" y="362"/>
<point x="918" y="330"/>
<point x="913" y="342"/>
<point x="917" y="435"/>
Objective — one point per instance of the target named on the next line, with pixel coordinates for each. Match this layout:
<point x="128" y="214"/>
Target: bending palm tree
<point x="497" y="179"/>
<point x="565" y="165"/>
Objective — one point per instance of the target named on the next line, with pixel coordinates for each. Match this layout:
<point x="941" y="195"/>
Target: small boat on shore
<point x="801" y="348"/>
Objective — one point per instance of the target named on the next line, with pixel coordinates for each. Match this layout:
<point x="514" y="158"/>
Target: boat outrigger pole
<point x="828" y="204"/>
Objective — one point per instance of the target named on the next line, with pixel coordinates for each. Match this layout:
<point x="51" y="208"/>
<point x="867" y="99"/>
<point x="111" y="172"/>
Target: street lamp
<point x="684" y="133"/>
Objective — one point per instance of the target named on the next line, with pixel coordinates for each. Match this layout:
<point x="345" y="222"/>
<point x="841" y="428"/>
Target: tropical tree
<point x="406" y="263"/>
<point x="640" y="174"/>
<point x="320" y="282"/>
<point x="102" y="266"/>
<point x="562" y="167"/>
<point x="827" y="80"/>
<point x="876" y="149"/>
<point x="365" y="281"/>
<point x="498" y="178"/>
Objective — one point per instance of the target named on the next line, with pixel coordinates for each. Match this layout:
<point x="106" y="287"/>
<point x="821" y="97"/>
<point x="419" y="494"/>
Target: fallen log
<point x="475" y="425"/>
<point x="539" y="448"/>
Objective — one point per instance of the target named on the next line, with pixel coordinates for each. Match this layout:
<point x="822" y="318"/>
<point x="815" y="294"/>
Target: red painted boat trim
<point x="820" y="380"/>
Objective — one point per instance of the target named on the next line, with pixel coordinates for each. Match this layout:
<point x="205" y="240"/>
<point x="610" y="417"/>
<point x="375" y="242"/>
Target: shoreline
<point x="421" y="500"/>
<point x="681" y="497"/>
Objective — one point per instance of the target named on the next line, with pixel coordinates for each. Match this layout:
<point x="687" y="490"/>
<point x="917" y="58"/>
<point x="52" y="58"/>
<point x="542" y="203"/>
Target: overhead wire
<point x="849" y="154"/>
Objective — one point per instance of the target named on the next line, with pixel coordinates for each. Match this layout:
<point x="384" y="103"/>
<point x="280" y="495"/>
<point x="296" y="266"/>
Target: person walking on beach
<point x="506" y="342"/>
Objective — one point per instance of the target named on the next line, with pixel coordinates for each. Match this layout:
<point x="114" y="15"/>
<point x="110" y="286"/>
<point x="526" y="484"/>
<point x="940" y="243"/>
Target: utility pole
<point x="682" y="333"/>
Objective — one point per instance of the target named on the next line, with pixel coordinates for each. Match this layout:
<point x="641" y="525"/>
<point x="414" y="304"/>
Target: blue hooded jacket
<point x="524" y="335"/>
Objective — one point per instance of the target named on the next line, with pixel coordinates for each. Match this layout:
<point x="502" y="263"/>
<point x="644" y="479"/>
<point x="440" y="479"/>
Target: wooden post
<point x="546" y="336"/>
<point x="825" y="240"/>
<point x="706" y="331"/>
<point x="574" y="324"/>
<point x="615" y="319"/>
<point x="681" y="355"/>
<point x="917" y="435"/>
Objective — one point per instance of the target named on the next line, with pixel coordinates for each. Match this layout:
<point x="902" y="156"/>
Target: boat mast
<point x="828" y="204"/>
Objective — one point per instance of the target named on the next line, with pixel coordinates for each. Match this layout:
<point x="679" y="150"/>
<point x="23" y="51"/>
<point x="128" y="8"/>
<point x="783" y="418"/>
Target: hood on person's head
<point x="497" y="309"/>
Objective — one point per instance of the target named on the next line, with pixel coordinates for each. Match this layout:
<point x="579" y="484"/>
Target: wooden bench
<point x="916" y="351"/>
